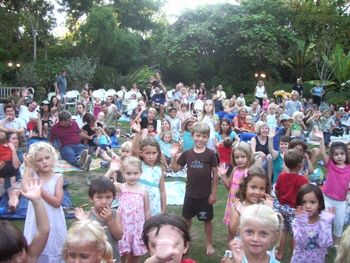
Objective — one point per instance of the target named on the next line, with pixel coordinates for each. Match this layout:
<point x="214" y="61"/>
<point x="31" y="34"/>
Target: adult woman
<point x="89" y="129"/>
<point x="260" y="91"/>
<point x="54" y="104"/>
<point x="239" y="120"/>
<point x="259" y="144"/>
<point x="317" y="93"/>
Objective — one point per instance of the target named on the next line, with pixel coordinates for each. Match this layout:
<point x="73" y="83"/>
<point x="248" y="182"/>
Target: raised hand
<point x="268" y="200"/>
<point x="136" y="126"/>
<point x="80" y="214"/>
<point x="115" y="163"/>
<point x="175" y="148"/>
<point x="236" y="247"/>
<point x="272" y="132"/>
<point x="222" y="169"/>
<point x="31" y="189"/>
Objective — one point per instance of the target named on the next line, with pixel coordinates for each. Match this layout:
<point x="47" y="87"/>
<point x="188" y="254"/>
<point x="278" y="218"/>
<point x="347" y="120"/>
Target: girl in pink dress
<point x="134" y="209"/>
<point x="242" y="158"/>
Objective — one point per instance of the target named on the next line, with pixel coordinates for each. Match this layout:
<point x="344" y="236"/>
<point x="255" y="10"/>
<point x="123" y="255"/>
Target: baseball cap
<point x="285" y="117"/>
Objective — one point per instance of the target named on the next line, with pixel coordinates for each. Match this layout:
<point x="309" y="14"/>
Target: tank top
<point x="262" y="147"/>
<point x="260" y="91"/>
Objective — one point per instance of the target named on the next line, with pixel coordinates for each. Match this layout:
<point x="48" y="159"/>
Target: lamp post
<point x="260" y="75"/>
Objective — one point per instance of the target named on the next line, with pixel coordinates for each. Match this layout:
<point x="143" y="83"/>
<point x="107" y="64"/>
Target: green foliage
<point x="339" y="62"/>
<point x="81" y="71"/>
<point x="27" y="76"/>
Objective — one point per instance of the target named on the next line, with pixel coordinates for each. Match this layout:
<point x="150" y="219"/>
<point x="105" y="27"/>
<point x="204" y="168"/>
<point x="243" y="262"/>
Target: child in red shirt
<point x="287" y="187"/>
<point x="224" y="149"/>
<point x="9" y="163"/>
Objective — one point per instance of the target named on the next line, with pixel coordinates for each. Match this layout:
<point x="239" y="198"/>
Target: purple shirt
<point x="66" y="134"/>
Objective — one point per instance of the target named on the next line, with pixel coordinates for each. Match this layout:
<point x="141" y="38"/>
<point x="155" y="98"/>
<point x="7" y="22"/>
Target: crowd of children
<point x="261" y="153"/>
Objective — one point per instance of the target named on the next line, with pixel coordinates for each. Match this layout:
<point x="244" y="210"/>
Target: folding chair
<point x="72" y="98"/>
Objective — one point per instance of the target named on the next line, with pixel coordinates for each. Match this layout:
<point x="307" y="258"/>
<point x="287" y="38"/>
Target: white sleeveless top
<point x="260" y="91"/>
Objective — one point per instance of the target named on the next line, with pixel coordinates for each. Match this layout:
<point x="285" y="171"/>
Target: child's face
<point x="14" y="139"/>
<point x="44" y="161"/>
<point x="165" y="126"/>
<point x="272" y="110"/>
<point x="299" y="118"/>
<point x="82" y="253"/>
<point x="168" y="241"/>
<point x="98" y="132"/>
<point x="257" y="238"/>
<point x="311" y="204"/>
<point x="149" y="154"/>
<point x="256" y="189"/>
<point x="284" y="146"/>
<point x="131" y="174"/>
<point x="102" y="201"/>
<point x="339" y="156"/>
<point x="249" y="120"/>
<point x="100" y="116"/>
<point x="150" y="128"/>
<point x="299" y="148"/>
<point x="125" y="153"/>
<point x="200" y="139"/>
<point x="167" y="138"/>
<point x="240" y="158"/>
<point x="208" y="107"/>
<point x="172" y="113"/>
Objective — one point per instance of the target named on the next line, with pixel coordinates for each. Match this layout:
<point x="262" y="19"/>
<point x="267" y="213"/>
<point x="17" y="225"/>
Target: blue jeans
<point x="71" y="152"/>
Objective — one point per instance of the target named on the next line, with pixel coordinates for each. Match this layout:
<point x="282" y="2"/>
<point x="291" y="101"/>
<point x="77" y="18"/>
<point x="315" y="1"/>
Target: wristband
<point x="228" y="254"/>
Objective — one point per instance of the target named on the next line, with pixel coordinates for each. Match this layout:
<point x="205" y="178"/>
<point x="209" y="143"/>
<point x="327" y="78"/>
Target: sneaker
<point x="82" y="159"/>
<point x="87" y="163"/>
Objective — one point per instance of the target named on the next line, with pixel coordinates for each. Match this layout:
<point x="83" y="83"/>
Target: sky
<point x="172" y="8"/>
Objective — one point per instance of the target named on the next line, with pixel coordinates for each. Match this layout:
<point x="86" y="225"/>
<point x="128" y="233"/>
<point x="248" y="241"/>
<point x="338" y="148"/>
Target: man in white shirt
<point x="80" y="114"/>
<point x="10" y="123"/>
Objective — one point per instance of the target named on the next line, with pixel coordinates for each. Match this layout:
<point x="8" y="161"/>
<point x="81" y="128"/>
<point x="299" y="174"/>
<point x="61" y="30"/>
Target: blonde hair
<point x="201" y="128"/>
<point x="131" y="161"/>
<point x="165" y="133"/>
<point x="294" y="92"/>
<point x="41" y="146"/>
<point x="343" y="255"/>
<point x="297" y="114"/>
<point x="245" y="148"/>
<point x="87" y="231"/>
<point x="259" y="125"/>
<point x="263" y="215"/>
<point x="126" y="146"/>
<point x="203" y="111"/>
<point x="152" y="110"/>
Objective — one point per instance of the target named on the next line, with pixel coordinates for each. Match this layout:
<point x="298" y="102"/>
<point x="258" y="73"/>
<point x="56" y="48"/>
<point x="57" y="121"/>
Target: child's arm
<point x="16" y="163"/>
<point x="80" y="214"/>
<point x="226" y="181"/>
<point x="234" y="217"/>
<point x="56" y="199"/>
<point x="174" y="165"/>
<point x="162" y="194"/>
<point x="214" y="186"/>
<point x="324" y="156"/>
<point x="272" y="151"/>
<point x="31" y="189"/>
<point x="147" y="206"/>
<point x="310" y="167"/>
<point x="136" y="126"/>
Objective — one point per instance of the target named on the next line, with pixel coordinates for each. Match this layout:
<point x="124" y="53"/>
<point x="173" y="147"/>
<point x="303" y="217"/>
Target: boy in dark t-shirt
<point x="202" y="181"/>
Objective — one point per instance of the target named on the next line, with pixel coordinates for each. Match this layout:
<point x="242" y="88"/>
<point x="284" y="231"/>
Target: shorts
<point x="8" y="170"/>
<point x="199" y="207"/>
<point x="288" y="214"/>
<point x="104" y="147"/>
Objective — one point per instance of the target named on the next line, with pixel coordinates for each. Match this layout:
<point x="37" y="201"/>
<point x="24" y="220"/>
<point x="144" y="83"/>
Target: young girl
<point x="165" y="144"/>
<point x="97" y="106"/>
<point x="13" y="245"/>
<point x="312" y="227"/>
<point x="167" y="239"/>
<point x="260" y="227"/>
<point x="297" y="127"/>
<point x="248" y="126"/>
<point x="208" y="116"/>
<point x="86" y="241"/>
<point x="337" y="181"/>
<point x="241" y="158"/>
<point x="253" y="189"/>
<point x="40" y="161"/>
<point x="225" y="131"/>
<point x="134" y="209"/>
<point x="187" y="138"/>
<point x="102" y="141"/>
<point x="152" y="177"/>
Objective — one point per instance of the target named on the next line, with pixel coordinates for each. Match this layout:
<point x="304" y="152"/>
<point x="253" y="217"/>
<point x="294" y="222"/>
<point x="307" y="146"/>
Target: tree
<point x="81" y="71"/>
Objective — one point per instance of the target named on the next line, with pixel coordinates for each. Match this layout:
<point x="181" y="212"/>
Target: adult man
<point x="80" y="114"/>
<point x="27" y="112"/>
<point x="10" y="123"/>
<point x="110" y="118"/>
<point x="67" y="132"/>
<point x="61" y="85"/>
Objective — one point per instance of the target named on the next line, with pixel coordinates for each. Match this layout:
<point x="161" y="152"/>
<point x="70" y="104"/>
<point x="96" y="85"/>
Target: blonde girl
<point x="134" y="210"/>
<point x="208" y="116"/>
<point x="87" y="242"/>
<point x="242" y="159"/>
<point x="149" y="152"/>
<point x="259" y="224"/>
<point x="343" y="255"/>
<point x="102" y="141"/>
<point x="39" y="163"/>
